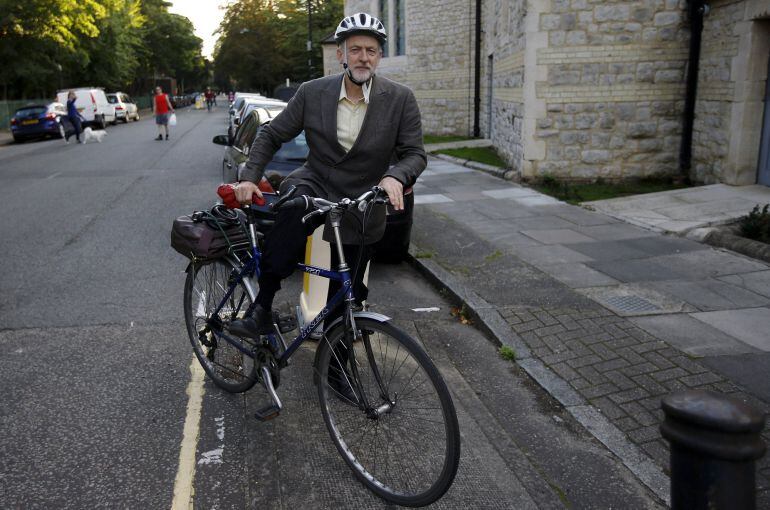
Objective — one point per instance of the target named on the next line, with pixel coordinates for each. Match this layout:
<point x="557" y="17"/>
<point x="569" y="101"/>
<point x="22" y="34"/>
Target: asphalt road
<point x="95" y="362"/>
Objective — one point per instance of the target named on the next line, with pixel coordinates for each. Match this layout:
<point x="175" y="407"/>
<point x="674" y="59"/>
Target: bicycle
<point x="399" y="433"/>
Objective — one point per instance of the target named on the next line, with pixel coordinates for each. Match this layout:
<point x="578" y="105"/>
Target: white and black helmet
<point x="360" y="23"/>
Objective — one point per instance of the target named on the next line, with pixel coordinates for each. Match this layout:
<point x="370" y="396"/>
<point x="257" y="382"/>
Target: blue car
<point x="40" y="120"/>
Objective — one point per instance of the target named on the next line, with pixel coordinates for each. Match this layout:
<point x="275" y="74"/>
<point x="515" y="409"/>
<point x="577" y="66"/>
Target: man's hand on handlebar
<point x="245" y="190"/>
<point x="395" y="191"/>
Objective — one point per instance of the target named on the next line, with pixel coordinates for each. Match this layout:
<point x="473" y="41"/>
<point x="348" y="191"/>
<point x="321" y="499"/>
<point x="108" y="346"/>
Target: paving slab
<point x="510" y="192"/>
<point x="556" y="236"/>
<point x="758" y="282"/>
<point x="680" y="211"/>
<point x="614" y="232"/>
<point x="548" y="255"/>
<point x="692" y="336"/>
<point x="577" y="275"/>
<point x="748" y="370"/>
<point x="638" y="270"/>
<point x="608" y="250"/>
<point x="751" y="325"/>
<point x="709" y="294"/>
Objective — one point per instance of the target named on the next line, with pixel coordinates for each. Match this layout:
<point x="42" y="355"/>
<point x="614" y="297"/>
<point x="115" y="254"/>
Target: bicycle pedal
<point x="267" y="413"/>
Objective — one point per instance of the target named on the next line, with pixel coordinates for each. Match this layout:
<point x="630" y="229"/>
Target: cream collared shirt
<point x="350" y="116"/>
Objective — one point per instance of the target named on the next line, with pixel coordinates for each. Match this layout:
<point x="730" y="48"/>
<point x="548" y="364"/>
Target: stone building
<point x="582" y="89"/>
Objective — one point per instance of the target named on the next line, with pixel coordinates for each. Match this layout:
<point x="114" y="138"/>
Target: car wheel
<point x="18" y="139"/>
<point x="102" y="123"/>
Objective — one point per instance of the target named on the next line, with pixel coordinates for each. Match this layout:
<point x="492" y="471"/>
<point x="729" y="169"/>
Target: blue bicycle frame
<point x="251" y="269"/>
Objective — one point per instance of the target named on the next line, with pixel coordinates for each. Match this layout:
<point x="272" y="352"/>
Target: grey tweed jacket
<point x="391" y="129"/>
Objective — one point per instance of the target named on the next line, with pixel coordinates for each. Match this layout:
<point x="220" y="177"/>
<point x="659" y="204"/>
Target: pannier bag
<point x="209" y="234"/>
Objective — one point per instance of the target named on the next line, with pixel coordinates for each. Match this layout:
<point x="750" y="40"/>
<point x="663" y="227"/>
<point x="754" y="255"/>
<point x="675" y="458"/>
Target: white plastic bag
<point x="172" y="120"/>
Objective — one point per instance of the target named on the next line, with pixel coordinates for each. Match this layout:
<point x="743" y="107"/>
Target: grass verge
<point x="575" y="193"/>
<point x="486" y="155"/>
<point x="426" y="139"/>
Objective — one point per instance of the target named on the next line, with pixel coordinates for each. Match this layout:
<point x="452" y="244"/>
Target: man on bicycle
<point x="354" y="123"/>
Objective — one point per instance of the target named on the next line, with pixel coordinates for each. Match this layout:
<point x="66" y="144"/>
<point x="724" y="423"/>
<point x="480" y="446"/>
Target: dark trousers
<point x="77" y="126"/>
<point x="284" y="247"/>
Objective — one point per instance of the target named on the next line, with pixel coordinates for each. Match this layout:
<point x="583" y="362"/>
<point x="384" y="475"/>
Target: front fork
<point x="353" y="334"/>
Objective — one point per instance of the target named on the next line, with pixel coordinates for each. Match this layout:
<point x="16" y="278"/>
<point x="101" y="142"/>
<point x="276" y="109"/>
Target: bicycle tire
<point x="205" y="286"/>
<point x="421" y="467"/>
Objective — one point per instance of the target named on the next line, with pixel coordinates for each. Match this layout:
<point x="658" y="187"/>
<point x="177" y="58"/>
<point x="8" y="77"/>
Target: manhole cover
<point x="630" y="304"/>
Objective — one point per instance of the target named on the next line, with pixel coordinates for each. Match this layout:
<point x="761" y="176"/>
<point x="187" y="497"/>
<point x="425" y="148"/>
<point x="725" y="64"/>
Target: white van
<point x="92" y="104"/>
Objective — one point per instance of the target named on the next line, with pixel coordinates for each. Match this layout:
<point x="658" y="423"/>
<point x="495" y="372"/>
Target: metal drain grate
<point x="631" y="304"/>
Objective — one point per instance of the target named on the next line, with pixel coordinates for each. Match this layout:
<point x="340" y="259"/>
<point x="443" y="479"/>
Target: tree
<point x="263" y="42"/>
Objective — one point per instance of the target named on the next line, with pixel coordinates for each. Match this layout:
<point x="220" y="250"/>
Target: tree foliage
<point x="50" y="44"/>
<point x="264" y="42"/>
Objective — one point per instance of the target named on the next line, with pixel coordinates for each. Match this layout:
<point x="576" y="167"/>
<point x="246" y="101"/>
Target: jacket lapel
<point x="329" y="101"/>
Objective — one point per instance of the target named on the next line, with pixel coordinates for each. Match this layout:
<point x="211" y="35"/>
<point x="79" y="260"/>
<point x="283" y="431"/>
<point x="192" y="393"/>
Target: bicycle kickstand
<point x="273" y="409"/>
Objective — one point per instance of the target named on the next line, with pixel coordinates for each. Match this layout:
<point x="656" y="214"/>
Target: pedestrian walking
<point x="74" y="117"/>
<point x="210" y="98"/>
<point x="162" y="109"/>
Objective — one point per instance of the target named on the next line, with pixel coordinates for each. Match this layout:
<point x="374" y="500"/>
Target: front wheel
<point x="204" y="290"/>
<point x="389" y="413"/>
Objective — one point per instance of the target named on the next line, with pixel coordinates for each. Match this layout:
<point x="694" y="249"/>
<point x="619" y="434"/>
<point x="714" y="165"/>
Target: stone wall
<point x="613" y="89"/>
<point x="731" y="84"/>
<point x="502" y="78"/>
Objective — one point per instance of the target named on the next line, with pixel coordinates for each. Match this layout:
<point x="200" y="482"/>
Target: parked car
<point x="40" y="120"/>
<point x="92" y="104"/>
<point x="394" y="245"/>
<point x="124" y="106"/>
<point x="247" y="105"/>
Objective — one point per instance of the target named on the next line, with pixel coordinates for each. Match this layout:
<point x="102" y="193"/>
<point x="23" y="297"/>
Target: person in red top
<point x="162" y="108"/>
<point x="210" y="97"/>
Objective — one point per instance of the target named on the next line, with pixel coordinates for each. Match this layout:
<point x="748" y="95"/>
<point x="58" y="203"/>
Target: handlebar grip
<point x="257" y="200"/>
<point x="286" y="196"/>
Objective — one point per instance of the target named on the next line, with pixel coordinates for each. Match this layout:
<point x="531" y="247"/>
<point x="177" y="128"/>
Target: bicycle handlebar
<point x="322" y="206"/>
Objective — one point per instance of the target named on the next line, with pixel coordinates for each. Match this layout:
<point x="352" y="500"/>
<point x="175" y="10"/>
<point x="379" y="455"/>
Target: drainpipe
<point x="696" y="10"/>
<point x="477" y="74"/>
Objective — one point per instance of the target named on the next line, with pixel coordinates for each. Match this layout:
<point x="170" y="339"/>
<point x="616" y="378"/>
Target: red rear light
<point x="50" y="116"/>
<point x="118" y="107"/>
<point x="93" y="100"/>
<point x="14" y="121"/>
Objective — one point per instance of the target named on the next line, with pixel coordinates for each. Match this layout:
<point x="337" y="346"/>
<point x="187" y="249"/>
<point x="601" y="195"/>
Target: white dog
<point x="89" y="135"/>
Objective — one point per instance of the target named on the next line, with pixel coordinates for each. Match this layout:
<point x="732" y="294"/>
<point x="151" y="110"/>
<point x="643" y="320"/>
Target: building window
<point x="393" y="16"/>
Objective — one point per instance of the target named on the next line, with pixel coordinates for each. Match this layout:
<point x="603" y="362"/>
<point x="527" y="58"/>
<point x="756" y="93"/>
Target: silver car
<point x="125" y="108"/>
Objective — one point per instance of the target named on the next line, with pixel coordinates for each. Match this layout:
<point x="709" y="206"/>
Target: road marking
<point x="185" y="475"/>
<point x="53" y="175"/>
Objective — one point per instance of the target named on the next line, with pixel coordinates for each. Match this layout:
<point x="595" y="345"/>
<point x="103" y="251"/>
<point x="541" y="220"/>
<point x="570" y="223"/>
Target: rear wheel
<point x="205" y="287"/>
<point x="403" y="444"/>
<point x="102" y="123"/>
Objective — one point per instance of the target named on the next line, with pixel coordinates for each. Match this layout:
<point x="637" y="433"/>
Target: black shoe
<point x="260" y="323"/>
<point x="166" y="137"/>
<point x="160" y="137"/>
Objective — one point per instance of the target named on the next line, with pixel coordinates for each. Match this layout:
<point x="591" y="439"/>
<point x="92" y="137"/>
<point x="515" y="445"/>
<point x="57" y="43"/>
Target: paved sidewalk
<point x="680" y="211"/>
<point x="607" y="316"/>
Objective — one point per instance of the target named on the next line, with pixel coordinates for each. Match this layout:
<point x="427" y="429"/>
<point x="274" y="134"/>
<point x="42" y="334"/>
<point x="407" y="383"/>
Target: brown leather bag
<point x="202" y="235"/>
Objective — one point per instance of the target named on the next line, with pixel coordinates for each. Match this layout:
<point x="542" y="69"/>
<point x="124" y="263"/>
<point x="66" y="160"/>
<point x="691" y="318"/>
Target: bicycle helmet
<point x="361" y="23"/>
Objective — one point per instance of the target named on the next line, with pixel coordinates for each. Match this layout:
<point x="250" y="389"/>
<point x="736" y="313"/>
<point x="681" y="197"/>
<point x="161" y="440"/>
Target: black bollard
<point x="715" y="442"/>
